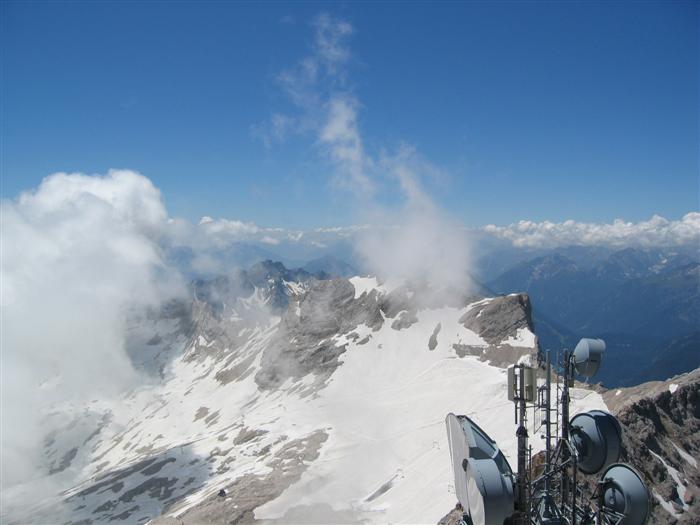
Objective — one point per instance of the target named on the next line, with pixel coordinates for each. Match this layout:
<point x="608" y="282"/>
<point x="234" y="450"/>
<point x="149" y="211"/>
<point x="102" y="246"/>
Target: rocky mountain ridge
<point x="268" y="386"/>
<point x="661" y="439"/>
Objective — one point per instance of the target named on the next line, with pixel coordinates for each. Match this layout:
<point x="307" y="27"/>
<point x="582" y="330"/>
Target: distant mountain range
<point x="331" y="266"/>
<point x="644" y="303"/>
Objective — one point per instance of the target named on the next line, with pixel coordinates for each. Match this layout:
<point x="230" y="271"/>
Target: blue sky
<point x="527" y="110"/>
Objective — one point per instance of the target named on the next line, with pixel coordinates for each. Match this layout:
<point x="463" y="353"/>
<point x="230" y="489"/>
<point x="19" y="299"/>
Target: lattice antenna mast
<point x="589" y="443"/>
<point x="522" y="384"/>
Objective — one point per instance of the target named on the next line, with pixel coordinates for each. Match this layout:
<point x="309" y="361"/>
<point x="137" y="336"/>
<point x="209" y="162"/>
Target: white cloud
<point x="269" y="240"/>
<point x="409" y="169"/>
<point x="324" y="107"/>
<point x="330" y="43"/>
<point x="76" y="254"/>
<point x="341" y="136"/>
<point x="419" y="241"/>
<point x="328" y="107"/>
<point x="228" y="228"/>
<point x="423" y="246"/>
<point x="316" y="77"/>
<point x="213" y="233"/>
<point x="343" y="231"/>
<point x="656" y="232"/>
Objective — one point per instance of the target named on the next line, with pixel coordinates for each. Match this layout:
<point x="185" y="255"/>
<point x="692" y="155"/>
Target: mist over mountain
<point x="358" y="239"/>
<point x="261" y="380"/>
<point x="644" y="301"/>
<point x="331" y="266"/>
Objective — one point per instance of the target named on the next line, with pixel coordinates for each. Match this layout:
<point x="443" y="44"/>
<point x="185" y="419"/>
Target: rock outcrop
<point x="661" y="439"/>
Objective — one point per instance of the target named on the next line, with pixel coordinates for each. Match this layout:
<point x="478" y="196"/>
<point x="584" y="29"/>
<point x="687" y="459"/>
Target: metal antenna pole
<point x="565" y="428"/>
<point x="521" y="433"/>
<point x="573" y="494"/>
<point x="548" y="509"/>
<point x="565" y="397"/>
<point x="556" y="410"/>
<point x="548" y="426"/>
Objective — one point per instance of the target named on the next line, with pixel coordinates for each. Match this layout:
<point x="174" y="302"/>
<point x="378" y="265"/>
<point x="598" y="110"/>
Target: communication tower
<point x="588" y="443"/>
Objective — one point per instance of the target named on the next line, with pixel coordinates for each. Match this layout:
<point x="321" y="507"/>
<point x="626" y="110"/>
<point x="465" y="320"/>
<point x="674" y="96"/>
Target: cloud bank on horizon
<point x="129" y="203"/>
<point x="655" y="232"/>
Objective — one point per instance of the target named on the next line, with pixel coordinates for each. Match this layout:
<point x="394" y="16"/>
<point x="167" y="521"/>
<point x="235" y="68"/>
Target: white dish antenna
<point x="587" y="356"/>
<point x="483" y="478"/>
<point x="625" y="494"/>
<point x="597" y="437"/>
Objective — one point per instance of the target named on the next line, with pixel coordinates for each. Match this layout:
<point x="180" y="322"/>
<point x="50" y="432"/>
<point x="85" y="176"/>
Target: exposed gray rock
<point x="65" y="461"/>
<point x="500" y="318"/>
<point x="267" y="275"/>
<point x="304" y="343"/>
<point x="465" y="350"/>
<point x="250" y="491"/>
<point x="432" y="342"/>
<point x="201" y="412"/>
<point x="383" y="489"/>
<point x="405" y="319"/>
<point x="398" y="300"/>
<point x="246" y="434"/>
<point x="497" y="355"/>
<point x="155" y="336"/>
<point x="453" y="517"/>
<point x="656" y="420"/>
<point x="237" y="372"/>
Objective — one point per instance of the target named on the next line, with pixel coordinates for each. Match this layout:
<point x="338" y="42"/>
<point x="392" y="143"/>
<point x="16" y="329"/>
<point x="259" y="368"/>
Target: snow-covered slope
<point x="304" y="400"/>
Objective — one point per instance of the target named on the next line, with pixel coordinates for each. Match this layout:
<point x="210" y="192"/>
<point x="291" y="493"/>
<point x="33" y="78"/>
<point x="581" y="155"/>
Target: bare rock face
<point x="235" y="503"/>
<point x="432" y="342"/>
<point x="304" y="342"/>
<point x="454" y="517"/>
<point x="661" y="439"/>
<point x="497" y="319"/>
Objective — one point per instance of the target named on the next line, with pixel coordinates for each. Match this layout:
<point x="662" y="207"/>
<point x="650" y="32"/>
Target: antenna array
<point x="589" y="443"/>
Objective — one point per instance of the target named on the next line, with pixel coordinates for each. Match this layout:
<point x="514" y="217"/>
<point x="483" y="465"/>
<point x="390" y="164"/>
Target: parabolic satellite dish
<point x="624" y="493"/>
<point x="587" y="356"/>
<point x="483" y="478"/>
<point x="597" y="438"/>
